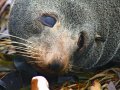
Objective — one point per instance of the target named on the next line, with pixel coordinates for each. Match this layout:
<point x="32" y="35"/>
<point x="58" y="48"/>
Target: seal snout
<point x="56" y="66"/>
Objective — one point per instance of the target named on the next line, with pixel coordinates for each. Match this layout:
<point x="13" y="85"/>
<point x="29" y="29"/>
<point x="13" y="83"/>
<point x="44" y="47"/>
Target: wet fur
<point x="63" y="42"/>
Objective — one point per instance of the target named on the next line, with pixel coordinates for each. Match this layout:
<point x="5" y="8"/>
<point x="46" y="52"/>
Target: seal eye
<point x="48" y="20"/>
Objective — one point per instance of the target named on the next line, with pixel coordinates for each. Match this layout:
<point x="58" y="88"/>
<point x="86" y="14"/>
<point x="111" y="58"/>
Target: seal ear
<point x="99" y="38"/>
<point x="83" y="41"/>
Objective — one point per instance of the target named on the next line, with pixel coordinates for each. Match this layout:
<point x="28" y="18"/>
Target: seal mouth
<point x="82" y="41"/>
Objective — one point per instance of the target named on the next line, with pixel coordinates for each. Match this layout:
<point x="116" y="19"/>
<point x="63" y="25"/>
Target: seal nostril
<point x="55" y="66"/>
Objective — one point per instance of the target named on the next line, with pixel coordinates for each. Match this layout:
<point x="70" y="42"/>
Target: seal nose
<point x="55" y="66"/>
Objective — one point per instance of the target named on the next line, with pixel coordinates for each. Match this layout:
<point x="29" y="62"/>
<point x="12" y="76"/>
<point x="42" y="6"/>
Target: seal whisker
<point x="5" y="44"/>
<point x="26" y="56"/>
<point x="9" y="42"/>
<point x="21" y="49"/>
<point x="40" y="61"/>
<point x="26" y="50"/>
<point x="4" y="40"/>
<point x="16" y="47"/>
<point x="14" y="42"/>
<point x="22" y="52"/>
<point x="36" y="61"/>
<point x="16" y="37"/>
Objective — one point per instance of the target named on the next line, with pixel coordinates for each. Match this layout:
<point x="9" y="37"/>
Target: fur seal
<point x="56" y="36"/>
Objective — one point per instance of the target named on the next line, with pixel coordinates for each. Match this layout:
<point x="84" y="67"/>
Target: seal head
<point x="59" y="35"/>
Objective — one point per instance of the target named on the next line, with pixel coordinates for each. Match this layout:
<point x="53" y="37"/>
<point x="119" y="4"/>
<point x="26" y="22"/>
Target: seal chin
<point x="55" y="68"/>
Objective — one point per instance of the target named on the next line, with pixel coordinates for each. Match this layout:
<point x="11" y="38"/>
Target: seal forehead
<point x="40" y="6"/>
